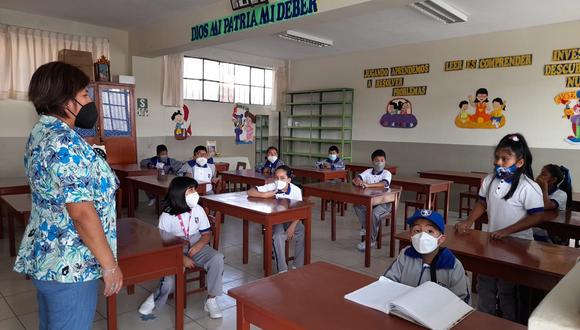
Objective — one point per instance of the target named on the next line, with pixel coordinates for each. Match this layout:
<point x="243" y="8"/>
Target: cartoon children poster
<point x="483" y="116"/>
<point x="399" y="114"/>
<point x="182" y="126"/>
<point x="571" y="102"/>
<point x="243" y="121"/>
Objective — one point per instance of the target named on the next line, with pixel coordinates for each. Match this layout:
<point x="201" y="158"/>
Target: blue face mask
<point x="505" y="173"/>
<point x="332" y="157"/>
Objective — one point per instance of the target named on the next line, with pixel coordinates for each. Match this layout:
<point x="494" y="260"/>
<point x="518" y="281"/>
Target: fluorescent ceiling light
<point x="306" y="38"/>
<point x="440" y="10"/>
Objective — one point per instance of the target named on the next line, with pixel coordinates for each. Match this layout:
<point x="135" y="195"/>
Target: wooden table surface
<point x="429" y="187"/>
<point x="575" y="201"/>
<point x="248" y="177"/>
<point x="313" y="298"/>
<point x="155" y="185"/>
<point x="321" y="174"/>
<point x="344" y="192"/>
<point x="145" y="253"/>
<point x="534" y="264"/>
<point x="133" y="170"/>
<point x="468" y="178"/>
<point x="264" y="211"/>
<point x="17" y="185"/>
<point x="355" y="168"/>
<point x="18" y="208"/>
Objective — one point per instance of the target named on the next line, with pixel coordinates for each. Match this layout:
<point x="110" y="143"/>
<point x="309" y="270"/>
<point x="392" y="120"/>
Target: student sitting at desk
<point x="333" y="161"/>
<point x="183" y="217"/>
<point x="272" y="162"/>
<point x="375" y="177"/>
<point x="199" y="169"/>
<point x="161" y="161"/>
<point x="284" y="188"/>
<point x="425" y="260"/>
<point x="557" y="193"/>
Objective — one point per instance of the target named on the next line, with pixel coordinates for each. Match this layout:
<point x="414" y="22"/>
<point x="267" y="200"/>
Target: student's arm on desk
<point x="530" y="220"/>
<point x="476" y="213"/>
<point x="253" y="192"/>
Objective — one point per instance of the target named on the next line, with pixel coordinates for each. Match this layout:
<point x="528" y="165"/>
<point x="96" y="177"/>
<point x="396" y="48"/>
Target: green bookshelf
<point x="261" y="133"/>
<point x="314" y="120"/>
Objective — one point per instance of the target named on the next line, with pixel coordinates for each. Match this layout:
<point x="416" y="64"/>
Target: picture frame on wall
<point x="103" y="69"/>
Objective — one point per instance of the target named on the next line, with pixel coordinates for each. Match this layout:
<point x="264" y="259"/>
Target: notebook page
<point x="432" y="306"/>
<point x="379" y="294"/>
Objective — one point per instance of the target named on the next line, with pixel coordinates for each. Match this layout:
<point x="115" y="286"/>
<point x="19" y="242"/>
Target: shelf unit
<point x="314" y="120"/>
<point x="262" y="136"/>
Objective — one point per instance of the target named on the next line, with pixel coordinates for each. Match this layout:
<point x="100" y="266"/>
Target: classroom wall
<point x="18" y="117"/>
<point x="209" y="120"/>
<point x="436" y="143"/>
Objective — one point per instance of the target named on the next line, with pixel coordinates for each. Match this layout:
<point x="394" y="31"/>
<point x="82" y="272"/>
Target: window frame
<point x="249" y="85"/>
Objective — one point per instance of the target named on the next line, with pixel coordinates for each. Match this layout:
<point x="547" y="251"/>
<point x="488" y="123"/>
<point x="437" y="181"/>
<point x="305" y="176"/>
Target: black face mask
<point x="87" y="116"/>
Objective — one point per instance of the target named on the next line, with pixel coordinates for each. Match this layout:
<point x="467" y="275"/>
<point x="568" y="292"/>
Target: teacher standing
<point x="70" y="241"/>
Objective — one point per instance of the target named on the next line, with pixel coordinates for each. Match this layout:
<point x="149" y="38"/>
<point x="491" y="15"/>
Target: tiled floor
<point x="18" y="308"/>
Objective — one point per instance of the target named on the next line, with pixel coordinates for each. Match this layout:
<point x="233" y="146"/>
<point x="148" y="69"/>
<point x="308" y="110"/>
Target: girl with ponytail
<point x="556" y="185"/>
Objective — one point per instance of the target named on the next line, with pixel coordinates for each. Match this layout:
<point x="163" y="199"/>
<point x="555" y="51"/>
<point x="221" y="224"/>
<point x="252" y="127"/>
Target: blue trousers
<point x="66" y="305"/>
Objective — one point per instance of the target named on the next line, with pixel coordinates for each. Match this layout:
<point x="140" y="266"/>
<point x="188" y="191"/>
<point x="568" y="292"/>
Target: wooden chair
<point x="469" y="195"/>
<point x="239" y="166"/>
<point x="420" y="202"/>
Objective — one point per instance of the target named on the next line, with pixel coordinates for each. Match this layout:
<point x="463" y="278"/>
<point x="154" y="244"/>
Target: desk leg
<point x="245" y="242"/>
<point x="322" y="213"/>
<point x="11" y="238"/>
<point x="268" y="251"/>
<point x="1" y="219"/>
<point x="369" y="228"/>
<point x="333" y="220"/>
<point x="218" y="229"/>
<point x="307" y="236"/>
<point x="112" y="312"/>
<point x="179" y="292"/>
<point x="131" y="205"/>
<point x="446" y="211"/>
<point x="393" y="229"/>
<point x="241" y="322"/>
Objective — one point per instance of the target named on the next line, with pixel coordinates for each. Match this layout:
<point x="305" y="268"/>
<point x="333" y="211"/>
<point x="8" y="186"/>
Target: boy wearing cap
<point x="425" y="260"/>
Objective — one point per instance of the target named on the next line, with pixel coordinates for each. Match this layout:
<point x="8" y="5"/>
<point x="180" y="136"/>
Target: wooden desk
<point x="266" y="212"/>
<point x="467" y="178"/>
<point x="11" y="186"/>
<point x="123" y="171"/>
<point x="322" y="175"/>
<point x="347" y="193"/>
<point x="429" y="187"/>
<point x="526" y="262"/>
<point x="312" y="297"/>
<point x="575" y="201"/>
<point x="18" y="208"/>
<point x="155" y="185"/>
<point x="221" y="166"/>
<point x="145" y="253"/>
<point x="356" y="168"/>
<point x="247" y="177"/>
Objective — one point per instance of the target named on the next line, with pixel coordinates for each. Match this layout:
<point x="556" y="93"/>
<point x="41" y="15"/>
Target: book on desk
<point x="429" y="305"/>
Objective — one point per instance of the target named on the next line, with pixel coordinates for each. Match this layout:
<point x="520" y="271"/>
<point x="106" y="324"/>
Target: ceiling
<point x="383" y="26"/>
<point x="404" y="25"/>
<point x="121" y="14"/>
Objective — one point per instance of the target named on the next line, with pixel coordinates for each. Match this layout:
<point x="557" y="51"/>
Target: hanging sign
<point x="489" y="62"/>
<point x="389" y="82"/>
<point x="280" y="11"/>
<point x="409" y="91"/>
<point x="570" y="54"/>
<point x="410" y="69"/>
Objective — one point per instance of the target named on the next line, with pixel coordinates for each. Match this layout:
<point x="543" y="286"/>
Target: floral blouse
<point x="63" y="168"/>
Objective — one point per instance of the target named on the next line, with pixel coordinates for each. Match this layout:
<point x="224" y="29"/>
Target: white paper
<point x="379" y="294"/>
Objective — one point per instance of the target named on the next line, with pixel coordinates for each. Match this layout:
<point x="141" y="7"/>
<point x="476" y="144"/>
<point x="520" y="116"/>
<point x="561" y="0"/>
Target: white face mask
<point x="192" y="199"/>
<point x="201" y="161"/>
<point x="272" y="159"/>
<point x="280" y="184"/>
<point x="332" y="157"/>
<point x="424" y="243"/>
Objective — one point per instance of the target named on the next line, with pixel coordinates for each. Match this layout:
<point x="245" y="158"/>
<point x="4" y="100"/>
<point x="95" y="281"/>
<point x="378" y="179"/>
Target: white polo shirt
<point x="194" y="222"/>
<point x="199" y="173"/>
<point x="527" y="199"/>
<point x="370" y="177"/>
<point x="560" y="198"/>
<point x="293" y="193"/>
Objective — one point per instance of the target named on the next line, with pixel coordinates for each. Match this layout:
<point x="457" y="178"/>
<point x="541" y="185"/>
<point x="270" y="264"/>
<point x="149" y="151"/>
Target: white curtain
<point x="23" y="50"/>
<point x="173" y="80"/>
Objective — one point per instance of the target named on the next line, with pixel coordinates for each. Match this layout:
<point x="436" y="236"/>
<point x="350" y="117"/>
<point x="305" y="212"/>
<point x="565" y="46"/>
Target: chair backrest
<point x="241" y="166"/>
<point x="211" y="219"/>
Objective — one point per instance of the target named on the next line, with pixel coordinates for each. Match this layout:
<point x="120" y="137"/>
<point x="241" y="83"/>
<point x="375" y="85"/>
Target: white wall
<point x="529" y="95"/>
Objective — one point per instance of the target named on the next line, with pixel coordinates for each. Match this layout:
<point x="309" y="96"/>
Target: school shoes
<point x="148" y="305"/>
<point x="211" y="306"/>
<point x="361" y="246"/>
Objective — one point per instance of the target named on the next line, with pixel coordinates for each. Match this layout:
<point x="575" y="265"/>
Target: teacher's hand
<point x="113" y="280"/>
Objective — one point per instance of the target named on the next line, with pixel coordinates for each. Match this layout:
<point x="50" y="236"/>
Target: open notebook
<point x="429" y="305"/>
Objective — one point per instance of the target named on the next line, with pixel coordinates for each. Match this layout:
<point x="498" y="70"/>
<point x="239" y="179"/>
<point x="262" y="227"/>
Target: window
<point x="208" y="80"/>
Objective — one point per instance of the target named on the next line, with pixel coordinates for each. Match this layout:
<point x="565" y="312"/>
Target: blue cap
<point x="433" y="216"/>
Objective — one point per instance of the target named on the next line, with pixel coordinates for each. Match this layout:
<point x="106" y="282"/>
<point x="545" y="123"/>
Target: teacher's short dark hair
<point x="174" y="202"/>
<point x="53" y="84"/>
